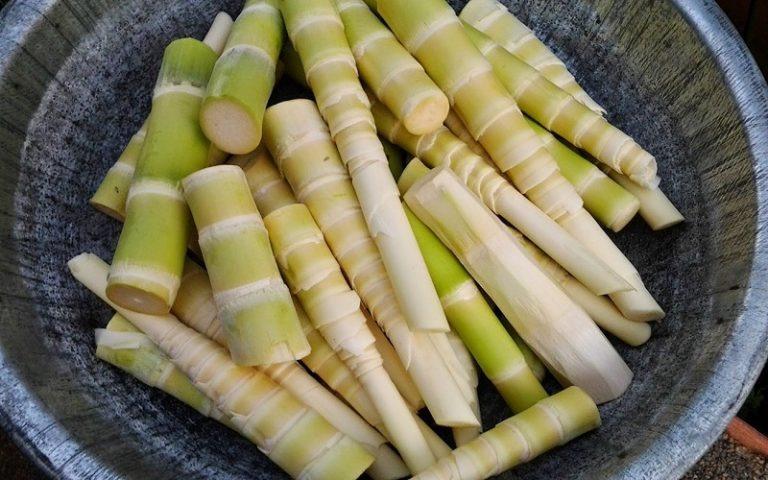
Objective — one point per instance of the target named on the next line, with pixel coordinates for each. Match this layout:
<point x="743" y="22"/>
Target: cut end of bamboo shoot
<point x="229" y="126"/>
<point x="142" y="294"/>
<point x="427" y="115"/>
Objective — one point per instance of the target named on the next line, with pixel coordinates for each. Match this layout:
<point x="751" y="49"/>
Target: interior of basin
<point x="639" y="59"/>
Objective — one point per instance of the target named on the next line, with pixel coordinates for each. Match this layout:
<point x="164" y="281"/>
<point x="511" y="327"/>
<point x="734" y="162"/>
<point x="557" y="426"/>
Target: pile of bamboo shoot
<point x="264" y="242"/>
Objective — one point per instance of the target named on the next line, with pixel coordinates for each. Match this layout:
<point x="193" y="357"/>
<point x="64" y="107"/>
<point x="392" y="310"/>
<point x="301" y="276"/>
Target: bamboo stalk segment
<point x="243" y="78"/>
<point x="149" y="259"/>
<point x="443" y="148"/>
<point x="124" y="346"/>
<point x="396" y="78"/>
<point x="495" y="20"/>
<point x="259" y="320"/>
<point x="315" y="171"/>
<point x="431" y="31"/>
<point x="292" y="435"/>
<point x="113" y="190"/>
<point x="563" y="336"/>
<point x="474" y="321"/>
<point x="600" y="309"/>
<point x="317" y="33"/>
<point x="550" y="423"/>
<point x="609" y="202"/>
<point x="563" y="114"/>
<point x="195" y="307"/>
<point x="655" y="208"/>
<point x="334" y="309"/>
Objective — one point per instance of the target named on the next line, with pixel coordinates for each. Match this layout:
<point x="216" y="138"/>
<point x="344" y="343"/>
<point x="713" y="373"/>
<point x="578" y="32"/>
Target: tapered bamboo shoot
<point x="493" y="18"/>
<point x="563" y="336"/>
<point x="317" y="33"/>
<point x="396" y="78"/>
<point x="550" y="423"/>
<point x="314" y="169"/>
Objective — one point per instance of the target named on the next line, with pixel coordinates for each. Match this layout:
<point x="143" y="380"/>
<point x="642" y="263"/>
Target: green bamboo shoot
<point x="334" y="309"/>
<point x="257" y="313"/>
<point x="292" y="64"/>
<point x="113" y="190"/>
<point x="563" y="336"/>
<point x="291" y="434"/>
<point x="655" y="208"/>
<point x="315" y="171"/>
<point x="474" y="321"/>
<point x="430" y="30"/>
<point x="606" y="200"/>
<point x="317" y="33"/>
<point x="550" y="423"/>
<point x="443" y="148"/>
<point x="610" y="203"/>
<point x="124" y="346"/>
<point x="493" y="18"/>
<point x="243" y="78"/>
<point x="149" y="259"/>
<point x="396" y="78"/>
<point x="560" y="112"/>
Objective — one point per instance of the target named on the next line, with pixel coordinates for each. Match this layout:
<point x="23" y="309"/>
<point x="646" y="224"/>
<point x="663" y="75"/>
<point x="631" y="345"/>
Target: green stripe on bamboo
<point x="294" y="436"/>
<point x="563" y="114"/>
<point x="257" y="313"/>
<point x="243" y="78"/>
<point x="149" y="259"/>
<point x="474" y="321"/>
<point x="113" y="190"/>
<point x="563" y="336"/>
<point x="314" y="169"/>
<point x="493" y="18"/>
<point x="396" y="78"/>
<point x="550" y="423"/>
<point x="317" y="32"/>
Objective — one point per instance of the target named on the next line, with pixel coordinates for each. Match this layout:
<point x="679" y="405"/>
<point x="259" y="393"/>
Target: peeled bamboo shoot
<point x="495" y="20"/>
<point x="334" y="309"/>
<point x="563" y="336"/>
<point x="294" y="436"/>
<point x="242" y="80"/>
<point x="563" y="114"/>
<point x="257" y="312"/>
<point x="317" y="32"/>
<point x="149" y="259"/>
<point x="550" y="423"/>
<point x="313" y="167"/>
<point x="396" y="78"/>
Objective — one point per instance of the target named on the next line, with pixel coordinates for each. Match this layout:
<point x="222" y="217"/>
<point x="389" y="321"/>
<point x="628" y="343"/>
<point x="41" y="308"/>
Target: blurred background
<point x="742" y="452"/>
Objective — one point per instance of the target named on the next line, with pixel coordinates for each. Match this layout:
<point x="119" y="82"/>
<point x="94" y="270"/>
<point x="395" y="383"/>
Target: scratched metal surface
<point x="75" y="78"/>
